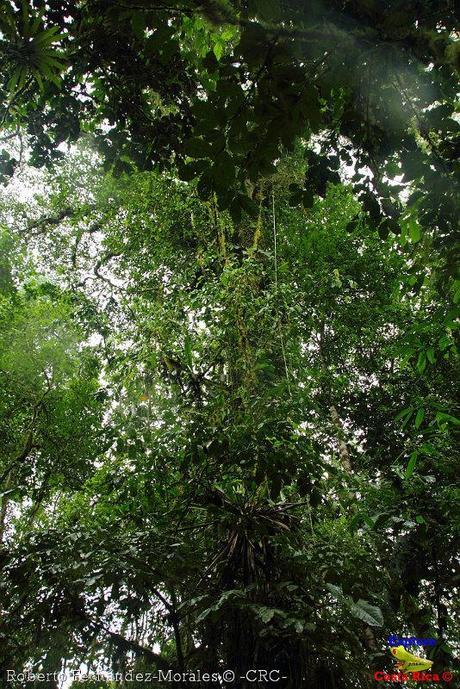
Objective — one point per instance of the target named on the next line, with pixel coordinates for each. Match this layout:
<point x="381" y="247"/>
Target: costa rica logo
<point x="408" y="662"/>
<point x="411" y="668"/>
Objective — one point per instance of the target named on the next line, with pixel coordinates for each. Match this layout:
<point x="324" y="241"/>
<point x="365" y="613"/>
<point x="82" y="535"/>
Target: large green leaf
<point x="370" y="614"/>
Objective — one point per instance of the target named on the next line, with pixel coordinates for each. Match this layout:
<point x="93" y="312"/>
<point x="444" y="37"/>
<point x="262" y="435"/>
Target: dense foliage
<point x="227" y="344"/>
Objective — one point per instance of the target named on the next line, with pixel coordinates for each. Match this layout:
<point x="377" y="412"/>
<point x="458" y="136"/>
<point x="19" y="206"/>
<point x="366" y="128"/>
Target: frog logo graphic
<point x="409" y="662"/>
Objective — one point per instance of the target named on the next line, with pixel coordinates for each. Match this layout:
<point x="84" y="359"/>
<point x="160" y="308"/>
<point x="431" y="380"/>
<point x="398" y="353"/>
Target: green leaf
<point x="336" y="591"/>
<point x="431" y="355"/>
<point x="444" y="342"/>
<point x="48" y="36"/>
<point x="188" y="350"/>
<point x="419" y="418"/>
<point x="370" y="614"/>
<point x="404" y="413"/>
<point x="421" y="362"/>
<point x="265" y="614"/>
<point x="411" y="465"/>
<point x="414" y="230"/>
<point x="442" y="417"/>
<point x="218" y="49"/>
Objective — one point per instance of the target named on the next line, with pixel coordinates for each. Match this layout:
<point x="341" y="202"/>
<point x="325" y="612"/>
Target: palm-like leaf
<point x="31" y="53"/>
